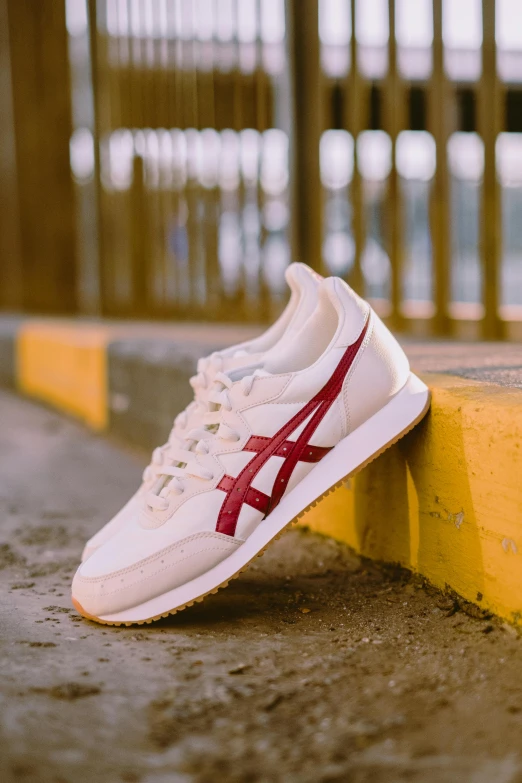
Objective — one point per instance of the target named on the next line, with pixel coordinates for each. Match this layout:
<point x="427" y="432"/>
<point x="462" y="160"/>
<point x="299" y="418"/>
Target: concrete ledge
<point x="148" y="382"/>
<point x="446" y="501"/>
<point x="9" y="326"/>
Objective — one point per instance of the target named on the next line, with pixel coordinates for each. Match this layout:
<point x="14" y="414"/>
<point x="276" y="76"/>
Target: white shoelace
<point x="200" y="383"/>
<point x="180" y="458"/>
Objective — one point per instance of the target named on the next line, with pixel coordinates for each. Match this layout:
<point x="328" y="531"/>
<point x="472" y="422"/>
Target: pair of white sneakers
<point x="276" y="422"/>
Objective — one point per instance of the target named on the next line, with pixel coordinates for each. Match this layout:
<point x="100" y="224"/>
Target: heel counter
<point x="382" y="370"/>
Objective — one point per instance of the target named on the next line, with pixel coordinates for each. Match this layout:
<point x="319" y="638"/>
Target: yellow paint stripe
<point x="65" y="366"/>
<point x="446" y="501"/>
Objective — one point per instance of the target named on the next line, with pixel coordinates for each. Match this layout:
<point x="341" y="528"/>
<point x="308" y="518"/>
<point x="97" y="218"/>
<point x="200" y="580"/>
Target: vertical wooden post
<point x="42" y="122"/>
<point x="307" y="126"/>
<point x="394" y="123"/>
<point x="261" y="93"/>
<point x="11" y="276"/>
<point x="439" y="126"/>
<point x="490" y="125"/>
<point x="140" y="231"/>
<point x="97" y="190"/>
<point x="356" y="122"/>
<point x="233" y="81"/>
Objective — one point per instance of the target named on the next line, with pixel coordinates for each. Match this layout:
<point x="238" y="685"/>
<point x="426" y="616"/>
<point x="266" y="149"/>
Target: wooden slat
<point x="394" y="122"/>
<point x="139" y="242"/>
<point x="214" y="289"/>
<point x="171" y="69"/>
<point x="11" y="273"/>
<point x="307" y="110"/>
<point x="439" y="127"/>
<point x="357" y="113"/>
<point x="261" y="87"/>
<point x="193" y="198"/>
<point x="42" y="122"/>
<point x="237" y="76"/>
<point x="261" y="83"/>
<point x="97" y="70"/>
<point x="490" y="125"/>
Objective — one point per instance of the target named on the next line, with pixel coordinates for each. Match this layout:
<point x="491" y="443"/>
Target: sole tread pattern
<point x="261" y="552"/>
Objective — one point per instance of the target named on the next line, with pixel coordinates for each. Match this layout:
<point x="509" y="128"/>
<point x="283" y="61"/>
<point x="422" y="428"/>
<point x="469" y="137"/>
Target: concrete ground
<point x="313" y="667"/>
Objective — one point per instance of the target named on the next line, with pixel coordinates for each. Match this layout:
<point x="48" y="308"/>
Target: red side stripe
<point x="326" y="397"/>
<point x="253" y="497"/>
<point x="239" y="488"/>
<point x="312" y="454"/>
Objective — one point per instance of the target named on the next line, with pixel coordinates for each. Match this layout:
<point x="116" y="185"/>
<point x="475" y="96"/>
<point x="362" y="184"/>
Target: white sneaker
<point x="303" y="283"/>
<point x="277" y="436"/>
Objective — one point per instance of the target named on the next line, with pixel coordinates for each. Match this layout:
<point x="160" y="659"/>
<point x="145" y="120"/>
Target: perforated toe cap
<point x="106" y="593"/>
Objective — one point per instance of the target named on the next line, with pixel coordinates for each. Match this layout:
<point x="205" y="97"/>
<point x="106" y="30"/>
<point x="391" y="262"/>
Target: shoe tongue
<point x="241" y="359"/>
<point x="255" y="369"/>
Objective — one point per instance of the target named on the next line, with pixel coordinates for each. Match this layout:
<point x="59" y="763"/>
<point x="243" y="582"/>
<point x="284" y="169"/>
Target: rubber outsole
<point x="314" y="503"/>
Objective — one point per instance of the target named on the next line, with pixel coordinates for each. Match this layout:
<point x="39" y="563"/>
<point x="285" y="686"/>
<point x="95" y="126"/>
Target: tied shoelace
<point x="180" y="458"/>
<point x="200" y="382"/>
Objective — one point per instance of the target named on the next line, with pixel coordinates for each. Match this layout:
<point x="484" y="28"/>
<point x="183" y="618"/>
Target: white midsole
<point x="343" y="460"/>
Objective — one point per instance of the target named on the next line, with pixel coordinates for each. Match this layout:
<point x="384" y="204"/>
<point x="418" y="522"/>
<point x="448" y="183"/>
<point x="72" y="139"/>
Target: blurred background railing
<point x="168" y="158"/>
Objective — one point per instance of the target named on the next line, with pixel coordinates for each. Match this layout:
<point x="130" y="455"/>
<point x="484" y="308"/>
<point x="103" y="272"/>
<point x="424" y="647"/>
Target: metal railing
<point x="211" y="141"/>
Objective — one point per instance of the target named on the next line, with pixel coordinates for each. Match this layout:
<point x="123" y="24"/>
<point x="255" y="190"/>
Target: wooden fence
<point x="167" y="158"/>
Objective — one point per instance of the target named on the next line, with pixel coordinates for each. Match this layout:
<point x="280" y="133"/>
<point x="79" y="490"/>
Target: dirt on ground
<point x="313" y="666"/>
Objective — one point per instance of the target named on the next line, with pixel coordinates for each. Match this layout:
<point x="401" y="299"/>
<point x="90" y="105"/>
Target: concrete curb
<point x="446" y="501"/>
<point x="9" y="326"/>
<point x="148" y="386"/>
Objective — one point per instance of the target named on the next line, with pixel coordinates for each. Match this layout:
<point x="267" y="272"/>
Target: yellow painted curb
<point x="446" y="501"/>
<point x="66" y="366"/>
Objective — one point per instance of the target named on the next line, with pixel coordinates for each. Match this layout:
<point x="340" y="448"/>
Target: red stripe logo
<point x="239" y="490"/>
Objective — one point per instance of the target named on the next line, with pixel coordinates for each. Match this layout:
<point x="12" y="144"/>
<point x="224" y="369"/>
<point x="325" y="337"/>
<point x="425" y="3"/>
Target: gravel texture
<point x="313" y="667"/>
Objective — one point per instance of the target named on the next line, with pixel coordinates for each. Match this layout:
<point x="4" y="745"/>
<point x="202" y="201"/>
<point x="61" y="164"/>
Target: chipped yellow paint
<point x="65" y="366"/>
<point x="446" y="501"/>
